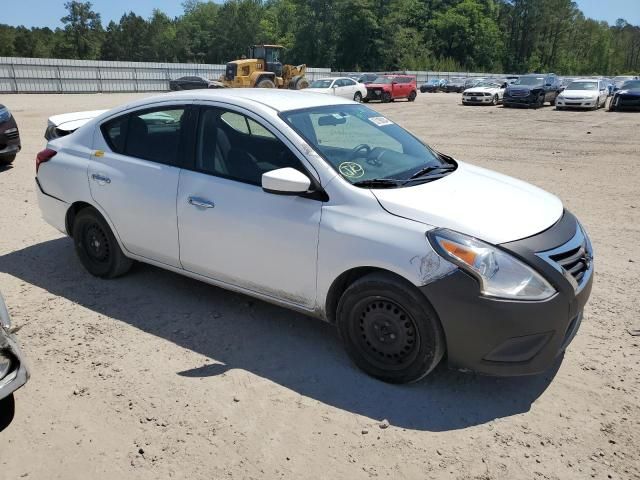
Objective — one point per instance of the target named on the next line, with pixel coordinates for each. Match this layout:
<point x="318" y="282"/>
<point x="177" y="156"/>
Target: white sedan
<point x="587" y="93"/>
<point x="341" y="87"/>
<point x="484" y="93"/>
<point x="322" y="205"/>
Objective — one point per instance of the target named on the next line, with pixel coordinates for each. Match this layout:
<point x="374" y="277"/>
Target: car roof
<point x="278" y="100"/>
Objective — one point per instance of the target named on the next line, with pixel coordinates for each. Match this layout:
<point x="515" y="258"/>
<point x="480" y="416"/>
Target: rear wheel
<point x="412" y="96"/>
<point x="266" y="83"/>
<point x="389" y="329"/>
<point x="357" y="97"/>
<point x="97" y="247"/>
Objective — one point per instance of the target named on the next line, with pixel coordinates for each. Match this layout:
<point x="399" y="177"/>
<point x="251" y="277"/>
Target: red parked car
<point x="387" y="88"/>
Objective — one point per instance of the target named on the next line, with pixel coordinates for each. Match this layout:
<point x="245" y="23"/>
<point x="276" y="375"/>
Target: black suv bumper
<point x="506" y="337"/>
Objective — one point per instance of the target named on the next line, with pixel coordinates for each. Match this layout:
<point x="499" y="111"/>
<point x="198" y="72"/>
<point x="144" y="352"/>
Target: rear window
<point x="115" y="133"/>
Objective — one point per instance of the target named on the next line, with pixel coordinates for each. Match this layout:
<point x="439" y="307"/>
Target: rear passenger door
<point x="133" y="176"/>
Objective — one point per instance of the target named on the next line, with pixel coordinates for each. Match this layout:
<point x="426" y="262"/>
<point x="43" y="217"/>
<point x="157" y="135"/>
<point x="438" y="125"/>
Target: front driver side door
<point x="230" y="229"/>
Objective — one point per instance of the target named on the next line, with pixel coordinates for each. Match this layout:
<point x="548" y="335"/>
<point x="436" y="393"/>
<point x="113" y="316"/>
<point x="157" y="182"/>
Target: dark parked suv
<point x="9" y="137"/>
<point x="532" y="90"/>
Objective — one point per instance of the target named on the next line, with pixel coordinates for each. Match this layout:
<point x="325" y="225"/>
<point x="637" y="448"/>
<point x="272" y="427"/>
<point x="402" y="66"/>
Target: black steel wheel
<point x="97" y="247"/>
<point x="389" y="329"/>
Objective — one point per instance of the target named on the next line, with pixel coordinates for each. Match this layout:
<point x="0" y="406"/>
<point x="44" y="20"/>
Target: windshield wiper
<point x="424" y="171"/>
<point x="380" y="183"/>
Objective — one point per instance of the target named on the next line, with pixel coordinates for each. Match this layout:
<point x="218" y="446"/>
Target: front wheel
<point x="266" y="83"/>
<point x="357" y="97"/>
<point x="97" y="247"/>
<point x="540" y="102"/>
<point x="389" y="329"/>
<point x="553" y="102"/>
<point x="412" y="96"/>
<point x="386" y="97"/>
<point x="8" y="160"/>
<point x="495" y="100"/>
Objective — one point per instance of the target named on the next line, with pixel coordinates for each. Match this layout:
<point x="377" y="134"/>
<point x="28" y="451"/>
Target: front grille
<point x="374" y="93"/>
<point x="519" y="93"/>
<point x="573" y="259"/>
<point x="12" y="135"/>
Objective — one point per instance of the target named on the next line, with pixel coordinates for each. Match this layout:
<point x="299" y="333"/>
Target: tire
<point x="298" y="83"/>
<point x="365" y="100"/>
<point x="553" y="102"/>
<point x="411" y="342"/>
<point x="7" y="411"/>
<point x="412" y="96"/>
<point x="265" y="83"/>
<point x="495" y="100"/>
<point x="540" y="102"/>
<point x="386" y="97"/>
<point x="559" y="108"/>
<point x="8" y="160"/>
<point x="357" y="97"/>
<point x="612" y="107"/>
<point x="97" y="247"/>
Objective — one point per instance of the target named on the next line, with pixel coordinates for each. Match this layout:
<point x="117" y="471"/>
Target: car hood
<point x="579" y="93"/>
<point x="478" y="202"/>
<point x="482" y="89"/>
<point x="70" y="122"/>
<point x="634" y="91"/>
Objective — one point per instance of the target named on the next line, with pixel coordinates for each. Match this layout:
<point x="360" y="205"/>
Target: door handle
<point x="100" y="178"/>
<point x="200" y="202"/>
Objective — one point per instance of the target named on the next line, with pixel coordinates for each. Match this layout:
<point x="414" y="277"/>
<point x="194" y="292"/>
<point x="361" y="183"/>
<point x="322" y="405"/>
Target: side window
<point x="234" y="146"/>
<point x="115" y="133"/>
<point x="155" y="135"/>
<point x="349" y="83"/>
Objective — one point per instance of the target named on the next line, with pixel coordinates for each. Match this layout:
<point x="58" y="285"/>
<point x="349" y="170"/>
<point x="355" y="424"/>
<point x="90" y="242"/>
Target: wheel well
<point x="343" y="282"/>
<point x="270" y="76"/>
<point x="73" y="211"/>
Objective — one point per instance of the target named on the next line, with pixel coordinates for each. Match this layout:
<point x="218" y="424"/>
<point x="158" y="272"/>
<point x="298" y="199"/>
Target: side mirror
<point x="285" y="181"/>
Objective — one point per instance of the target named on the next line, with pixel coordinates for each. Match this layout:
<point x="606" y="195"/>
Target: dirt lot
<point x="158" y="376"/>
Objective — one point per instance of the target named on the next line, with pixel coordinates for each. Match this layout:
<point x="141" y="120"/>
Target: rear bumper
<point x="54" y="210"/>
<point x="505" y="337"/>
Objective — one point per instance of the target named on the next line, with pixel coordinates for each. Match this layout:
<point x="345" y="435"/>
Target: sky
<point x="40" y="13"/>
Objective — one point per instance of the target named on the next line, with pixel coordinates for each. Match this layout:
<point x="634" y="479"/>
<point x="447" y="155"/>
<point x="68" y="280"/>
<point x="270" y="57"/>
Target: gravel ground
<point x="158" y="376"/>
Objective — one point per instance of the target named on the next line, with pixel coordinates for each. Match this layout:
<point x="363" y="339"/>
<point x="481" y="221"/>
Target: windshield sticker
<point x="381" y="121"/>
<point x="351" y="169"/>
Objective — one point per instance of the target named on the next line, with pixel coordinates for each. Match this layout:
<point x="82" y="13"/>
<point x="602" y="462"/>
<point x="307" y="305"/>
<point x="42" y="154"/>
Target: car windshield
<point x="632" y="85"/>
<point x="321" y="83"/>
<point x="583" y="86"/>
<point x="530" y="81"/>
<point x="382" y="80"/>
<point x="434" y="81"/>
<point x="362" y="145"/>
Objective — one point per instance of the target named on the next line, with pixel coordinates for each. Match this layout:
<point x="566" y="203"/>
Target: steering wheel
<point x="355" y="153"/>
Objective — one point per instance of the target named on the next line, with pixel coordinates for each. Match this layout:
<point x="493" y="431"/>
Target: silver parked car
<point x="13" y="370"/>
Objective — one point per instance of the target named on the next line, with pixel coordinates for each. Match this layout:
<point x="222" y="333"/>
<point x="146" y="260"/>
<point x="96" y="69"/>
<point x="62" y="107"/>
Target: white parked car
<point x="486" y="92"/>
<point x="584" y="93"/>
<point x="341" y="87"/>
<point x="322" y="205"/>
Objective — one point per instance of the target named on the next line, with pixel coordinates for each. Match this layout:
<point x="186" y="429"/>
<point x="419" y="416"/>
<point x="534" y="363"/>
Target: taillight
<point x="44" y="156"/>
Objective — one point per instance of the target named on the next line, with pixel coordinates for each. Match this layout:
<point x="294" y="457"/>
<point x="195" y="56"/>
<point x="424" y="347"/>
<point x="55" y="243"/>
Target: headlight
<point x="500" y="274"/>
<point x="5" y="364"/>
<point x="4" y="114"/>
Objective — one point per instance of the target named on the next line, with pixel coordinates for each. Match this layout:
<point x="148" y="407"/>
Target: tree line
<point x="350" y="35"/>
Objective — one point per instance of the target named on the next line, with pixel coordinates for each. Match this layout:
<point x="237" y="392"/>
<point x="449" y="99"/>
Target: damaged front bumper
<point x="13" y="368"/>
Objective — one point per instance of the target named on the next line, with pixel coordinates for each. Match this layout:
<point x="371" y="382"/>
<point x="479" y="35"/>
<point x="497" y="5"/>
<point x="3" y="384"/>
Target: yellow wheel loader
<point x="264" y="69"/>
